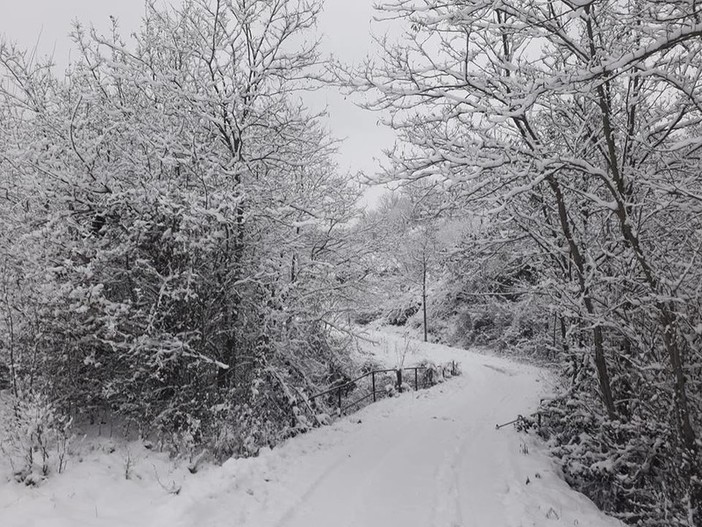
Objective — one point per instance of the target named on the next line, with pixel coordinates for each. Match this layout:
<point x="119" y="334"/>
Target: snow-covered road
<point x="431" y="458"/>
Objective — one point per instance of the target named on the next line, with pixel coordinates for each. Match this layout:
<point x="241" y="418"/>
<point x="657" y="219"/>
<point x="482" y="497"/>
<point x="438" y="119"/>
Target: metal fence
<point x="339" y="395"/>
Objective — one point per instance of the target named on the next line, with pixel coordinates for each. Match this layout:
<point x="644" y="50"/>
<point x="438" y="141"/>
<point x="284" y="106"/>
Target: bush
<point x="35" y="438"/>
<point x="149" y="320"/>
<point x="631" y="469"/>
<point x="363" y="318"/>
<point x="399" y="316"/>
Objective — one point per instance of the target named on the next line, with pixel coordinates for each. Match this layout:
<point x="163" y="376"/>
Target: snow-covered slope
<point x="432" y="458"/>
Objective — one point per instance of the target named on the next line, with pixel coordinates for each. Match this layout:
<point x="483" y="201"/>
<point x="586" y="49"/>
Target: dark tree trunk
<point x="578" y="260"/>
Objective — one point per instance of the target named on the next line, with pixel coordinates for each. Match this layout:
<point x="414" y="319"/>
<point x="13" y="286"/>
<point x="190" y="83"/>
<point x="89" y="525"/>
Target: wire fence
<point x="377" y="384"/>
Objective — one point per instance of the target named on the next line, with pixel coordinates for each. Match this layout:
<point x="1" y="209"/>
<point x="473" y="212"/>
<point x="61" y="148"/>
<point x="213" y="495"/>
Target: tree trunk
<point x="577" y="258"/>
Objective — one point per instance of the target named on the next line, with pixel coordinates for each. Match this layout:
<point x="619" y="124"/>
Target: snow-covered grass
<point x="106" y="483"/>
<point x="426" y="458"/>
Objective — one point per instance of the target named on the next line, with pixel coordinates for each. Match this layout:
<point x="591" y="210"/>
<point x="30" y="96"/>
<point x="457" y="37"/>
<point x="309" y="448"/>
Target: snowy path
<point x="427" y="459"/>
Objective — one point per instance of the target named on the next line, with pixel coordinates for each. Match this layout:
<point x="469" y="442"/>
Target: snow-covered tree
<point x="580" y="122"/>
<point x="189" y="250"/>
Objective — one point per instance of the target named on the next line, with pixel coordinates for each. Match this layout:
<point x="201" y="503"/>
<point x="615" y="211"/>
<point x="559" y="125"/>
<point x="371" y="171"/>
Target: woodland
<point x="179" y="252"/>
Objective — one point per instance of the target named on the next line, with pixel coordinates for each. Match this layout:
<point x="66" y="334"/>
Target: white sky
<point x="346" y="25"/>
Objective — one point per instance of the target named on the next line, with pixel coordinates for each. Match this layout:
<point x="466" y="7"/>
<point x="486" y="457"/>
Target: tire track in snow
<point x="474" y="491"/>
<point x="291" y="512"/>
<point x="400" y="467"/>
<point x="446" y="511"/>
<point x="346" y="481"/>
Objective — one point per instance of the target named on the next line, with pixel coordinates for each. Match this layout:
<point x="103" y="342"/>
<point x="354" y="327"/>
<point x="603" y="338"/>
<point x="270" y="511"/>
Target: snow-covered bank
<point x="109" y="484"/>
<point x="427" y="458"/>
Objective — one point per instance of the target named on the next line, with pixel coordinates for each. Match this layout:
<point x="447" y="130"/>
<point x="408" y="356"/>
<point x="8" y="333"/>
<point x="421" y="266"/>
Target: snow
<point x="94" y="490"/>
<point x="426" y="458"/>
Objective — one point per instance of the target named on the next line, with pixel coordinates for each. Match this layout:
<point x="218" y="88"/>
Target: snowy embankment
<point x="431" y="458"/>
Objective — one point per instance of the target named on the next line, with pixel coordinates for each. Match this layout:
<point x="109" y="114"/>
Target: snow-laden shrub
<point x="631" y="469"/>
<point x="365" y="317"/>
<point x="515" y="327"/>
<point x="148" y="318"/>
<point x="133" y="322"/>
<point x="430" y="374"/>
<point x="492" y="302"/>
<point x="35" y="437"/>
<point x="400" y="313"/>
<point x="273" y="410"/>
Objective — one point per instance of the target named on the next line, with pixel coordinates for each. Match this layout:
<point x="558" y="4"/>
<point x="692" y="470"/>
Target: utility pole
<point x="424" y="291"/>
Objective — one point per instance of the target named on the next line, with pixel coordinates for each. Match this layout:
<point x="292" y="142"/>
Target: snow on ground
<point x="431" y="458"/>
<point x="94" y="489"/>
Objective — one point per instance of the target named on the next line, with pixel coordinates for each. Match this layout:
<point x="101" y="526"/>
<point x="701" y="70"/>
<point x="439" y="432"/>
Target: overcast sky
<point x="346" y="25"/>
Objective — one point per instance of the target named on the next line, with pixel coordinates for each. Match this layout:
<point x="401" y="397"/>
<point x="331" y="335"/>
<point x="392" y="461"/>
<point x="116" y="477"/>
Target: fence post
<point x="373" y="380"/>
<point x="416" y="382"/>
<point x="339" y="392"/>
<point x="431" y="377"/>
<point x="399" y="380"/>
